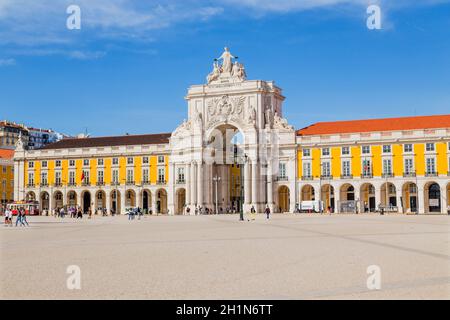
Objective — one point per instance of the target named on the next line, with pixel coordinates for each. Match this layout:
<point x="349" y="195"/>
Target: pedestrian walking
<point x="130" y="215"/>
<point x="267" y="211"/>
<point x="24" y="218"/>
<point x="7" y="219"/>
<point x="253" y="213"/>
<point x="19" y="218"/>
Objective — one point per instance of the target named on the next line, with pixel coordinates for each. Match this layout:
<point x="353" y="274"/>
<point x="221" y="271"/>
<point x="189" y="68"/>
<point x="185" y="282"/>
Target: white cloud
<point x="283" y="6"/>
<point x="7" y="62"/>
<point x="86" y="55"/>
<point x="39" y="26"/>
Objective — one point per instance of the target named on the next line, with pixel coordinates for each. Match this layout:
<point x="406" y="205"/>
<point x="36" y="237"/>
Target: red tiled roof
<point x="377" y="125"/>
<point x="159" y="138"/>
<point x="6" y="153"/>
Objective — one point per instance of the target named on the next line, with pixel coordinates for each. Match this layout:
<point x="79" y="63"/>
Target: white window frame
<point x="345" y="153"/>
<point x="408" y="151"/>
<point x="161" y="174"/>
<point x="72" y="178"/>
<point x="364" y="148"/>
<point x="406" y="168"/>
<point x="344" y="167"/>
<point x="306" y="170"/>
<point x="306" y="152"/>
<point x="387" y="166"/>
<point x="427" y="165"/>
<point x="326" y="169"/>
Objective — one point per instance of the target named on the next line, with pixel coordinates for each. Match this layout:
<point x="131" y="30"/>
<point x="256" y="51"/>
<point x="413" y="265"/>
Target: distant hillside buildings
<point x="33" y="138"/>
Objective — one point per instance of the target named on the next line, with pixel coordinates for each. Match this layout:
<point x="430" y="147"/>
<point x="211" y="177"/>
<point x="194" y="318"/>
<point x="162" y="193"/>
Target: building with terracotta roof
<point x="236" y="152"/>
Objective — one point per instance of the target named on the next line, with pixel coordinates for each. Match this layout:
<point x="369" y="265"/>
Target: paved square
<point x="218" y="257"/>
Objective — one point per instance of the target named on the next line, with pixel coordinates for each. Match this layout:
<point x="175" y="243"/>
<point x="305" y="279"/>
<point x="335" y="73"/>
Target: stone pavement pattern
<point x="218" y="257"/>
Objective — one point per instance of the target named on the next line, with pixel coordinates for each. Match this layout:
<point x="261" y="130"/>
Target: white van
<point x="311" y="206"/>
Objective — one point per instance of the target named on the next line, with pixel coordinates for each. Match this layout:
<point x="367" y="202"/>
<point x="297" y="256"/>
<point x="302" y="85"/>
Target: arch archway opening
<point x="410" y="197"/>
<point x="283" y="199"/>
<point x="307" y="193"/>
<point x="225" y="169"/>
<point x="448" y="198"/>
<point x="368" y="198"/>
<point x="86" y="201"/>
<point x="161" y="201"/>
<point x="45" y="201"/>
<point x="327" y="196"/>
<point x="58" y="199"/>
<point x="146" y="201"/>
<point x="180" y="201"/>
<point x="348" y="203"/>
<point x="30" y="196"/>
<point x="115" y="202"/>
<point x="130" y="199"/>
<point x="433" y="197"/>
<point x="100" y="201"/>
<point x="72" y="199"/>
<point x="388" y="195"/>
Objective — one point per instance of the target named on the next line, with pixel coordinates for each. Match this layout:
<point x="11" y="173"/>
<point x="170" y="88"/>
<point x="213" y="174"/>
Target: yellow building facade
<point x="6" y="176"/>
<point x="403" y="169"/>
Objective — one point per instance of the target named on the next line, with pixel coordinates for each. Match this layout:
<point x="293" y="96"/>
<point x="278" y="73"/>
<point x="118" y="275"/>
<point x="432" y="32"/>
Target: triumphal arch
<point x="235" y="147"/>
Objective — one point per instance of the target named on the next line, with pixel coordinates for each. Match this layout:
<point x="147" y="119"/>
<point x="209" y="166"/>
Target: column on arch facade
<point x="421" y="197"/>
<point x="270" y="185"/>
<point x="187" y="172"/>
<point x="247" y="182"/>
<point x="444" y="204"/>
<point x="123" y="198"/>
<point x="254" y="184"/>
<point x="200" y="199"/>
<point x="193" y="184"/>
<point x="337" y="198"/>
<point x="398" y="194"/>
<point x="108" y="201"/>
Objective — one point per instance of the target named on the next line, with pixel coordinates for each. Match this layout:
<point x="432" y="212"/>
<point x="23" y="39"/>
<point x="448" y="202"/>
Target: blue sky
<point x="128" y="69"/>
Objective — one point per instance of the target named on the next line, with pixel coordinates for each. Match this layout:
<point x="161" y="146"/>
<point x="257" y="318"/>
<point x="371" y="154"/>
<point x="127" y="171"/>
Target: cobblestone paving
<point x="218" y="257"/>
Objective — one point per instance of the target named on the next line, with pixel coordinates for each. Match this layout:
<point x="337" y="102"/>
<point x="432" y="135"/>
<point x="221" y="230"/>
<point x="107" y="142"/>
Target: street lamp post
<point x="216" y="180"/>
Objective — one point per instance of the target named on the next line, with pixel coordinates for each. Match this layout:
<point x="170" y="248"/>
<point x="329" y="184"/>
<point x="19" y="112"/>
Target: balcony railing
<point x="307" y="178"/>
<point x="181" y="181"/>
<point x="130" y="182"/>
<point x="161" y="182"/>
<point x="347" y="176"/>
<point x="387" y="175"/>
<point x="30" y="185"/>
<point x="431" y="174"/>
<point x="282" y="178"/>
<point x="72" y="184"/>
<point x="367" y="176"/>
<point x="100" y="183"/>
<point x="44" y="184"/>
<point x="326" y="177"/>
<point x="86" y="183"/>
<point x="145" y="181"/>
<point x="57" y="184"/>
<point x="409" y="174"/>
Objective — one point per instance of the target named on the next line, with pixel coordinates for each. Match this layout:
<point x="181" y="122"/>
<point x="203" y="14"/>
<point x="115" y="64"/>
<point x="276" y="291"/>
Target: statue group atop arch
<point x="228" y="70"/>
